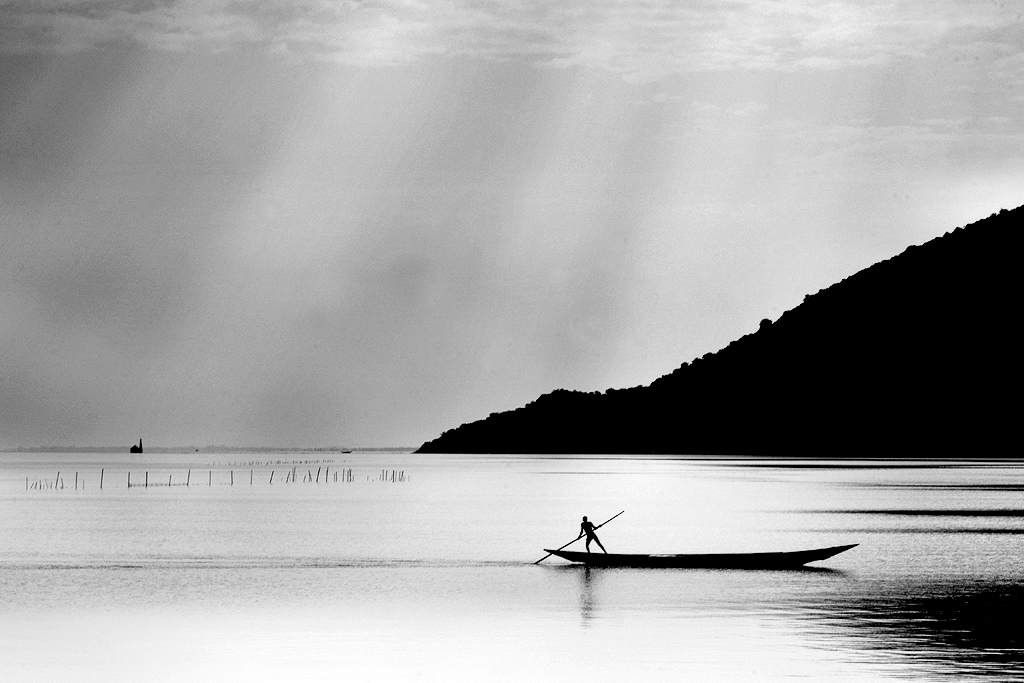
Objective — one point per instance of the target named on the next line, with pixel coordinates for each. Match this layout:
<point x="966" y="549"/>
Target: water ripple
<point x="254" y="563"/>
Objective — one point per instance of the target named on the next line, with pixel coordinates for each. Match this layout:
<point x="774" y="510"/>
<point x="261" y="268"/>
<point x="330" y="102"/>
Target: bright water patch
<point x="430" y="576"/>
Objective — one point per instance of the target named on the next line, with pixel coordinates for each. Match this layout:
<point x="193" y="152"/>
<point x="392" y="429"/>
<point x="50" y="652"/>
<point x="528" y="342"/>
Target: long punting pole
<point x="577" y="538"/>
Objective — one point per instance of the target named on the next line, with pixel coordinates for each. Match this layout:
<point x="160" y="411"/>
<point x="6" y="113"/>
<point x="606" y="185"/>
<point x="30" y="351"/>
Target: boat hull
<point x="785" y="560"/>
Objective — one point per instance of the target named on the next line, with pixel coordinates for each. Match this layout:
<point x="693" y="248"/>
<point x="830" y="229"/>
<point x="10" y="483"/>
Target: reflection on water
<point x="957" y="631"/>
<point x="586" y="594"/>
<point x="979" y="530"/>
<point x="945" y="521"/>
<point x="928" y="512"/>
<point x="933" y="629"/>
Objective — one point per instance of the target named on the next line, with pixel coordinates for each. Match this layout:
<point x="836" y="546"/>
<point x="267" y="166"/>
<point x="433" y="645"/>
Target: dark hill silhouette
<point x="914" y="356"/>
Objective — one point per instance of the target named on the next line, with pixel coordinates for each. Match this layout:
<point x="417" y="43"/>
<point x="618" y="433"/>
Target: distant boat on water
<point x="136" y="449"/>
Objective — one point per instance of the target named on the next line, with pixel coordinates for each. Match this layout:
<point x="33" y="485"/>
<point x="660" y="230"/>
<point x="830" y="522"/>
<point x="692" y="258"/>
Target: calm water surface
<point x="392" y="566"/>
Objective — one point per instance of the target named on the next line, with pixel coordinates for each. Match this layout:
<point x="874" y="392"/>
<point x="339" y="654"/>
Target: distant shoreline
<point x="207" y="449"/>
<point x="797" y="461"/>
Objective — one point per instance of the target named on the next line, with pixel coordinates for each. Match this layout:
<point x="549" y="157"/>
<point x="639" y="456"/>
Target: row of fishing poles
<point x="345" y="475"/>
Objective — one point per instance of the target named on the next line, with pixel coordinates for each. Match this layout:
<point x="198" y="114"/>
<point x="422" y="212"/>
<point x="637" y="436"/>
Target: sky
<point x="342" y="223"/>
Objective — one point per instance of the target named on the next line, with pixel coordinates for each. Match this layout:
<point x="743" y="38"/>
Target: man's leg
<point x="589" y="539"/>
<point x="599" y="543"/>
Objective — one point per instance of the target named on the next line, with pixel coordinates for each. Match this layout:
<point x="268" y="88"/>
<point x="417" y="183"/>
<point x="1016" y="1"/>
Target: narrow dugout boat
<point x="784" y="560"/>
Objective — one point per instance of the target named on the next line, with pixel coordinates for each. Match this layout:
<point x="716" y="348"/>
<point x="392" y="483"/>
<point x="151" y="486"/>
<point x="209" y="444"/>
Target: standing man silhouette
<point x="588" y="528"/>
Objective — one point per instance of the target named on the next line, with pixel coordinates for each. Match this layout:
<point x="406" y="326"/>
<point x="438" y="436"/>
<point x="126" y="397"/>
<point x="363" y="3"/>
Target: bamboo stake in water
<point x="271" y="476"/>
<point x="101" y="477"/>
<point x="189" y="477"/>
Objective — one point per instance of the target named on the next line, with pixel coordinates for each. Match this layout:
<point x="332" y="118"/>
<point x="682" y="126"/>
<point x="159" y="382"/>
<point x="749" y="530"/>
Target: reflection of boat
<point x="788" y="560"/>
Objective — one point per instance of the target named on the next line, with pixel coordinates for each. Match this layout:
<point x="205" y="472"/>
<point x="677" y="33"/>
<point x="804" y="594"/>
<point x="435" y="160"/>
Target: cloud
<point x="638" y="39"/>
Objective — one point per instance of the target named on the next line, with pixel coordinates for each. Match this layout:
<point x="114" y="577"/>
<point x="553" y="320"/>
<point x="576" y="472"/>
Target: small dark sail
<point x="136" y="449"/>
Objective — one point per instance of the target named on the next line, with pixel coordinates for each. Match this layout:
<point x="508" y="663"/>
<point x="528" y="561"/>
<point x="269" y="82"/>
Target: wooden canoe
<point x="785" y="560"/>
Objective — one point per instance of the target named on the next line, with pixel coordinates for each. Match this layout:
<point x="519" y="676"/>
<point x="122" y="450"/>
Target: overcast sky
<point x="323" y="222"/>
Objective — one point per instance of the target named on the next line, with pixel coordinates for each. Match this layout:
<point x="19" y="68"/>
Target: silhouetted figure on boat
<point x="136" y="449"/>
<point x="588" y="528"/>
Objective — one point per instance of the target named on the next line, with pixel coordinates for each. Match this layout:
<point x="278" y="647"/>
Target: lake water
<point x="394" y="566"/>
